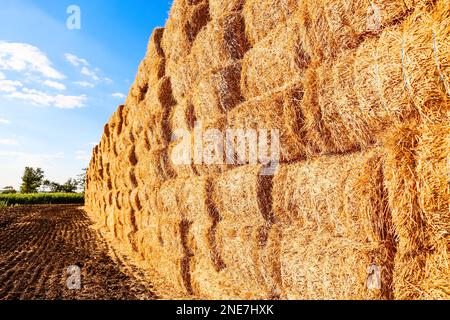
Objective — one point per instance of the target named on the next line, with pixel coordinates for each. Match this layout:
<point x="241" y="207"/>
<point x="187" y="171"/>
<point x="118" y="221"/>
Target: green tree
<point x="70" y="186"/>
<point x="8" y="190"/>
<point x="82" y="179"/>
<point x="52" y="186"/>
<point x="31" y="180"/>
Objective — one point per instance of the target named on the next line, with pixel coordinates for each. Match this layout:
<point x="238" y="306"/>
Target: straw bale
<point x="276" y="110"/>
<point x="251" y="270"/>
<point x="160" y="103"/>
<point x="435" y="284"/>
<point x="324" y="266"/>
<point x="218" y="91"/>
<point x="408" y="218"/>
<point x="186" y="19"/>
<point x="150" y="71"/>
<point x="185" y="202"/>
<point x="433" y="176"/>
<point x="183" y="75"/>
<point x="262" y="16"/>
<point x="337" y="195"/>
<point x="349" y="104"/>
<point x="275" y="61"/>
<point x="329" y="28"/>
<point x="218" y="7"/>
<point x="243" y="196"/>
<point x="222" y="41"/>
<point x="209" y="143"/>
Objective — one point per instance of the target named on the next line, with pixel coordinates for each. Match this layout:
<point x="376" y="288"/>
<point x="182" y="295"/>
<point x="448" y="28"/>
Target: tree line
<point x="33" y="181"/>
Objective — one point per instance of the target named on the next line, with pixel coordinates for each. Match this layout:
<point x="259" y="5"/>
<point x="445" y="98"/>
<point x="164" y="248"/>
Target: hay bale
<point x="262" y="16"/>
<point x="218" y="92"/>
<point x="408" y="218"/>
<point x="159" y="104"/>
<point x="243" y="196"/>
<point x="433" y="176"/>
<point x="229" y="257"/>
<point x="350" y="103"/>
<point x="250" y="262"/>
<point x="150" y="71"/>
<point x="217" y="46"/>
<point x="218" y="7"/>
<point x="221" y="42"/>
<point x="184" y="205"/>
<point x="154" y="168"/>
<point x="277" y="110"/>
<point x="186" y="19"/>
<point x="435" y="284"/>
<point x="184" y="75"/>
<point x="275" y="61"/>
<point x="337" y="195"/>
<point x="209" y="143"/>
<point x="433" y="187"/>
<point x="324" y="266"/>
<point x="329" y="28"/>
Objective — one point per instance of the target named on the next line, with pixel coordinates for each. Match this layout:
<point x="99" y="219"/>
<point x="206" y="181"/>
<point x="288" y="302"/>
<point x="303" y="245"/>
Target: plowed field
<point x="39" y="243"/>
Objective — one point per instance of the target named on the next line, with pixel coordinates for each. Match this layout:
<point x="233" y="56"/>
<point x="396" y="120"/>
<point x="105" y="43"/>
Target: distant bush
<point x="41" y="198"/>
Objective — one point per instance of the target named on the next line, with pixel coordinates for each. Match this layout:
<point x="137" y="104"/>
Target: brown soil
<point x="39" y="243"/>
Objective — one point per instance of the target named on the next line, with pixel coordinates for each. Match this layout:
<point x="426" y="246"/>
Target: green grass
<point x="41" y="198"/>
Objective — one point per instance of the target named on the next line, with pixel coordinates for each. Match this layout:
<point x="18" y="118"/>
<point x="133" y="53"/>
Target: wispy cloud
<point x="2" y="75"/>
<point x="82" y="155"/>
<point x="119" y="95"/>
<point x="23" y="57"/>
<point x="41" y="98"/>
<point x="54" y="85"/>
<point x="76" y="61"/>
<point x="86" y="69"/>
<point x="4" y="121"/>
<point x="9" y="85"/>
<point x="31" y="159"/>
<point x="85" y="84"/>
<point x="90" y="73"/>
<point x="9" y="142"/>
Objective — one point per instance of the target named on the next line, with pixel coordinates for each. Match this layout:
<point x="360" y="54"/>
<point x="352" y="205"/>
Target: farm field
<point x="39" y="243"/>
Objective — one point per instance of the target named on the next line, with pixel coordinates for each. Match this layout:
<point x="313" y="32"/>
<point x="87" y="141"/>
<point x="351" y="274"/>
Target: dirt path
<point x="39" y="243"/>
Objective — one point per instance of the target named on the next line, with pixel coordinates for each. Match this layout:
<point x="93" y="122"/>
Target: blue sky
<point x="58" y="87"/>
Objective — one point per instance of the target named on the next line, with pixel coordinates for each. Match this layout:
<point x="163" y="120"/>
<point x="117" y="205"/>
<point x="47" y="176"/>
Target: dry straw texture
<point x="151" y="69"/>
<point x="276" y="110"/>
<point x="275" y="61"/>
<point x="322" y="266"/>
<point x="220" y="42"/>
<point x="329" y="28"/>
<point x="359" y="91"/>
<point x="261" y="16"/>
<point x="350" y="102"/>
<point x="218" y="7"/>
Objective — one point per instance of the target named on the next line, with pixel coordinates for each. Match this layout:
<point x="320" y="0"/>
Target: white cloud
<point x="76" y="61"/>
<point x="82" y="155"/>
<point x="85" y="84"/>
<point x="119" y="95"/>
<point x="40" y="98"/>
<point x="90" y="73"/>
<point x="31" y="159"/>
<point x="54" y="85"/>
<point x="9" y="85"/>
<point x="24" y="57"/>
<point x="4" y="121"/>
<point x="9" y="142"/>
<point x="2" y="75"/>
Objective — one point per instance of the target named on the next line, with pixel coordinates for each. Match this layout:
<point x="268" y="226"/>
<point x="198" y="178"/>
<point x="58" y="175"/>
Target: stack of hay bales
<point x="359" y="206"/>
